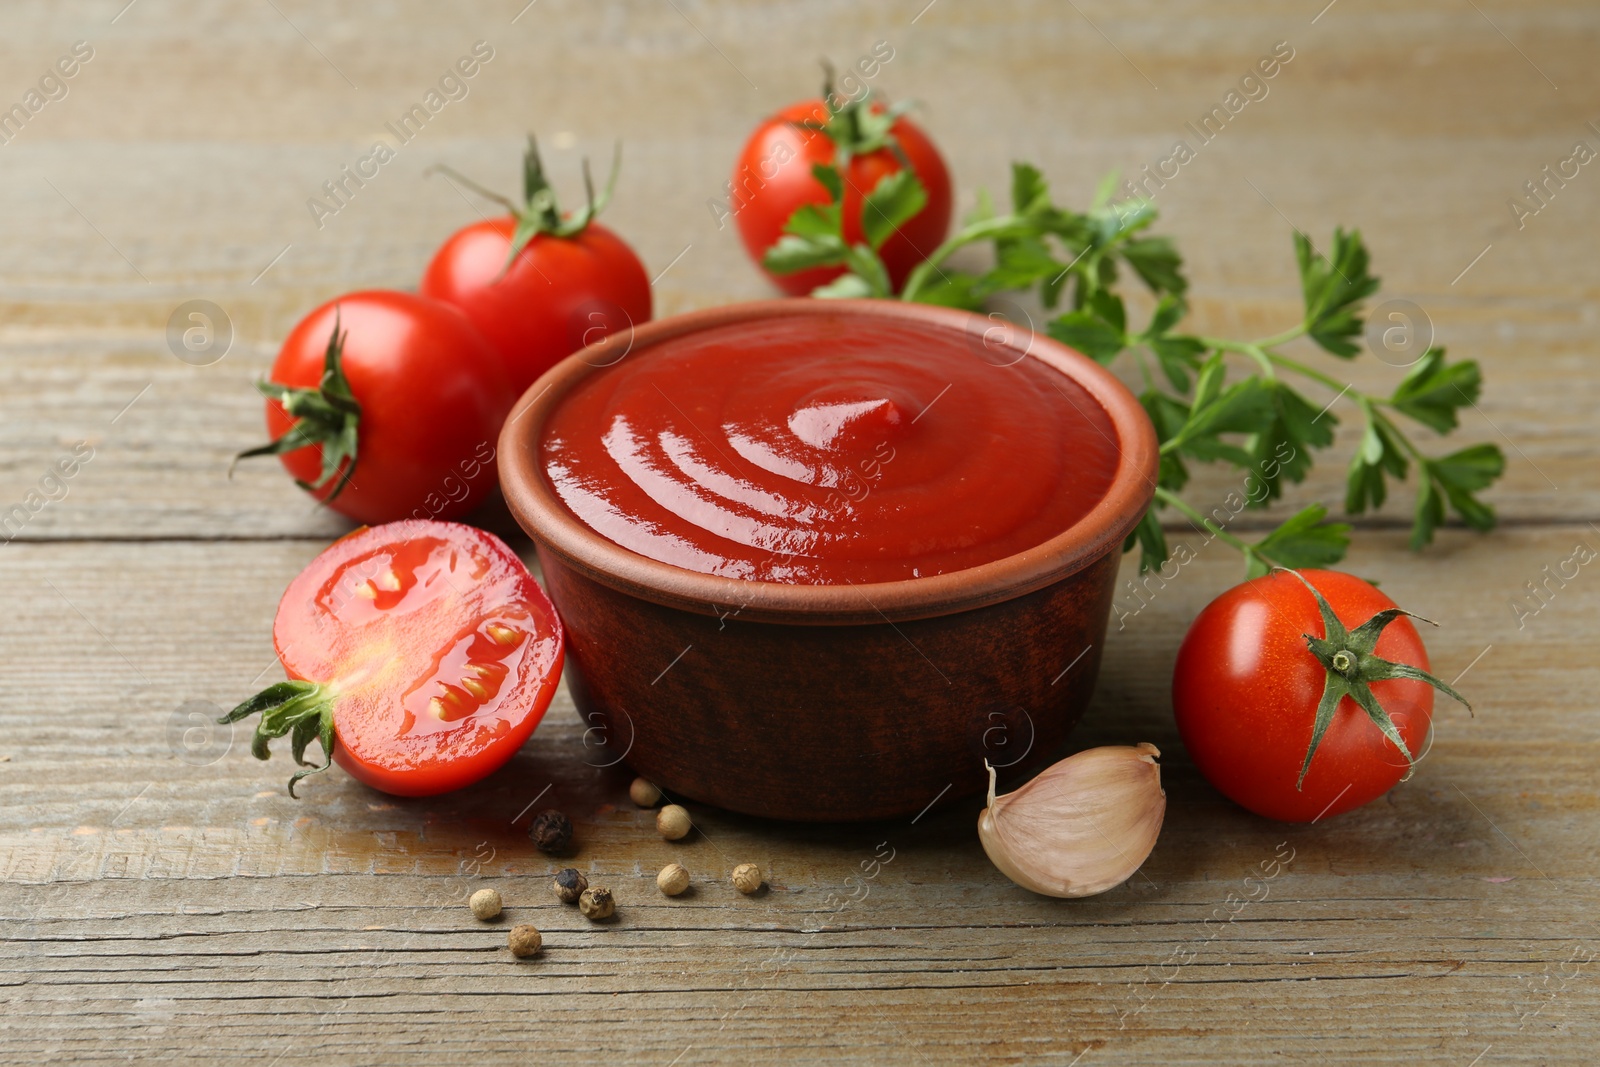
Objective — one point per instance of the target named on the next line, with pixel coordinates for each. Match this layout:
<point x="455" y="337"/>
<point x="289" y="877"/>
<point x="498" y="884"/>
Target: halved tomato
<point x="420" y="654"/>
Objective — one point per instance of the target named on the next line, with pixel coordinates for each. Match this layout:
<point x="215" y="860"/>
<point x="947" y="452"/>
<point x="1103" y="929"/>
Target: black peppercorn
<point x="551" y="831"/>
<point x="570" y="884"/>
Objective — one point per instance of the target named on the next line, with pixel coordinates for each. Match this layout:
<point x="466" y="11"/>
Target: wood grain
<point x="199" y="902"/>
<point x="163" y="899"/>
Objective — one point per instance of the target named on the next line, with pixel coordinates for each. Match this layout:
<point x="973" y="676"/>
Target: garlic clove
<point x="1082" y="826"/>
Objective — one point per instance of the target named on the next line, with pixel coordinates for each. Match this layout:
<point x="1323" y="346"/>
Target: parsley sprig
<point x="1212" y="399"/>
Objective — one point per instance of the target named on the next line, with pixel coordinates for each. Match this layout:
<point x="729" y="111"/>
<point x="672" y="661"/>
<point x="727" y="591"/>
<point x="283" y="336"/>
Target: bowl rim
<point x="558" y="531"/>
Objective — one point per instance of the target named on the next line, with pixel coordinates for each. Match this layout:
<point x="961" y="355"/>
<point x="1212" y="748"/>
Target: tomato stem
<point x="300" y="708"/>
<point x="1351" y="665"/>
<point x="540" y="213"/>
<point x="329" y="416"/>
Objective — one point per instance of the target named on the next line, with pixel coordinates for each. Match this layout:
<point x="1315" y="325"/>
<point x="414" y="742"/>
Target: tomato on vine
<point x="1303" y="694"/>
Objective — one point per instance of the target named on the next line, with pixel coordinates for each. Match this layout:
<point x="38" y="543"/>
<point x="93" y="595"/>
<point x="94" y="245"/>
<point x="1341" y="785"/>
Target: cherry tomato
<point x="431" y="395"/>
<point x="558" y="295"/>
<point x="773" y="178"/>
<point x="1246" y="689"/>
<point x="423" y="653"/>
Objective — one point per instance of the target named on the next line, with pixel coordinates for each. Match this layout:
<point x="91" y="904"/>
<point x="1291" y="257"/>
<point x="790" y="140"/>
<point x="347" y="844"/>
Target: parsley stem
<point x="1144" y="369"/>
<point x="978" y="231"/>
<point x="1168" y="497"/>
<point x="1253" y="349"/>
<point x="1405" y="442"/>
<point x="1311" y="372"/>
<point x="1280" y="338"/>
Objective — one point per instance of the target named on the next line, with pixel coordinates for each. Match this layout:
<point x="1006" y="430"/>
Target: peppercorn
<point x="597" y="903"/>
<point x="673" y="822"/>
<point x="747" y="878"/>
<point x="569" y="885"/>
<point x="644" y="793"/>
<point x="524" y="941"/>
<point x="673" y="879"/>
<point x="485" y="904"/>
<point x="551" y="831"/>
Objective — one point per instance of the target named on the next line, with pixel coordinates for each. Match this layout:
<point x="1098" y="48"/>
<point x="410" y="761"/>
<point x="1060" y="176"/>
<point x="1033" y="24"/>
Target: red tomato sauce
<point x="818" y="450"/>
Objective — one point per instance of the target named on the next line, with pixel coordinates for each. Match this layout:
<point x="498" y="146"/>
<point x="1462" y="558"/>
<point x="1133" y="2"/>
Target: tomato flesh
<point x="1245" y="691"/>
<point x="442" y="650"/>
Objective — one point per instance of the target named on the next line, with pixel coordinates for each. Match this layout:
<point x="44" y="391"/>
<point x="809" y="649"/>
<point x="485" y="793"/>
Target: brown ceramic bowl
<point x="838" y="702"/>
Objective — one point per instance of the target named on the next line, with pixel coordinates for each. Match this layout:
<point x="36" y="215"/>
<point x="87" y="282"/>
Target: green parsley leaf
<point x="1168" y="414"/>
<point x="1243" y="407"/>
<point x="829" y="178"/>
<point x="1109" y="307"/>
<point x="1454" y="479"/>
<point x="815" y="222"/>
<point x="1178" y="355"/>
<point x="1382" y="451"/>
<point x="955" y="289"/>
<point x="1283" y="449"/>
<point x="844" y="287"/>
<point x="1157" y="262"/>
<point x="1104" y="191"/>
<point x="896" y="198"/>
<point x="1089" y="334"/>
<point x="794" y="253"/>
<point x="1152" y="542"/>
<point x="1019" y="262"/>
<point x="1334" y="288"/>
<point x="1095" y="330"/>
<point x="1434" y="390"/>
<point x="1304" y="539"/>
<point x="1029" y="192"/>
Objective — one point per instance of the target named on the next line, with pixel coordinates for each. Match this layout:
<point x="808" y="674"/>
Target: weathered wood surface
<point x="162" y="902"/>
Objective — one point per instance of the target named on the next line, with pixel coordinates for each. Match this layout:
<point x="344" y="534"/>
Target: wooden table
<point x="164" y="900"/>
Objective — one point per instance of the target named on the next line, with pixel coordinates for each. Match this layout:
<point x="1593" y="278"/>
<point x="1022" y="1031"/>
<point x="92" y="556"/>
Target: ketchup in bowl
<point x="827" y="449"/>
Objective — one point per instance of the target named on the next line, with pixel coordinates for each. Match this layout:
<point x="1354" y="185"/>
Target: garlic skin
<point x="1082" y="826"/>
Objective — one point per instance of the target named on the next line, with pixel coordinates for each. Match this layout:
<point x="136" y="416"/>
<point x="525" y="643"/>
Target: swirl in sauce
<point x="819" y="450"/>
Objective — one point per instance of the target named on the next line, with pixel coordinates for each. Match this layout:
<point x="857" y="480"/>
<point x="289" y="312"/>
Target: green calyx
<point x="1348" y="658"/>
<point x="539" y="213"/>
<point x="328" y="415"/>
<point x="304" y="710"/>
<point x="856" y="127"/>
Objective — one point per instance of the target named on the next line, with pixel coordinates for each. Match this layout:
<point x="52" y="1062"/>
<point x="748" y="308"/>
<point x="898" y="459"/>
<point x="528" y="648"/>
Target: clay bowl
<point x="830" y="702"/>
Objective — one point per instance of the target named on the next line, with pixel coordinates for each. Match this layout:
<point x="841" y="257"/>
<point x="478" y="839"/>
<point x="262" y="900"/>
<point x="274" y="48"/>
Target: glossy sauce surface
<point x="824" y="450"/>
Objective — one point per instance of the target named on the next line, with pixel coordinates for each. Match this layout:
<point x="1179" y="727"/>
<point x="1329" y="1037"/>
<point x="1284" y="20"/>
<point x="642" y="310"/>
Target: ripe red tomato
<point x="1246" y="689"/>
<point x="431" y="393"/>
<point x="773" y="178"/>
<point x="423" y="654"/>
<point x="559" y="294"/>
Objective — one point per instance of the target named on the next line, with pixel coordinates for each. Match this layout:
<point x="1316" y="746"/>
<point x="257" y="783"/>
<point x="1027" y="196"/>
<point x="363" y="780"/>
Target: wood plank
<point x="199" y="905"/>
<point x="201" y="208"/>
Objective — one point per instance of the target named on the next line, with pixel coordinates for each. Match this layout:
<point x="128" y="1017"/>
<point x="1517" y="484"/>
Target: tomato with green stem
<point x="539" y="283"/>
<point x="1303" y="694"/>
<point x="865" y="142"/>
<point x="384" y="405"/>
<point x="420" y="655"/>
